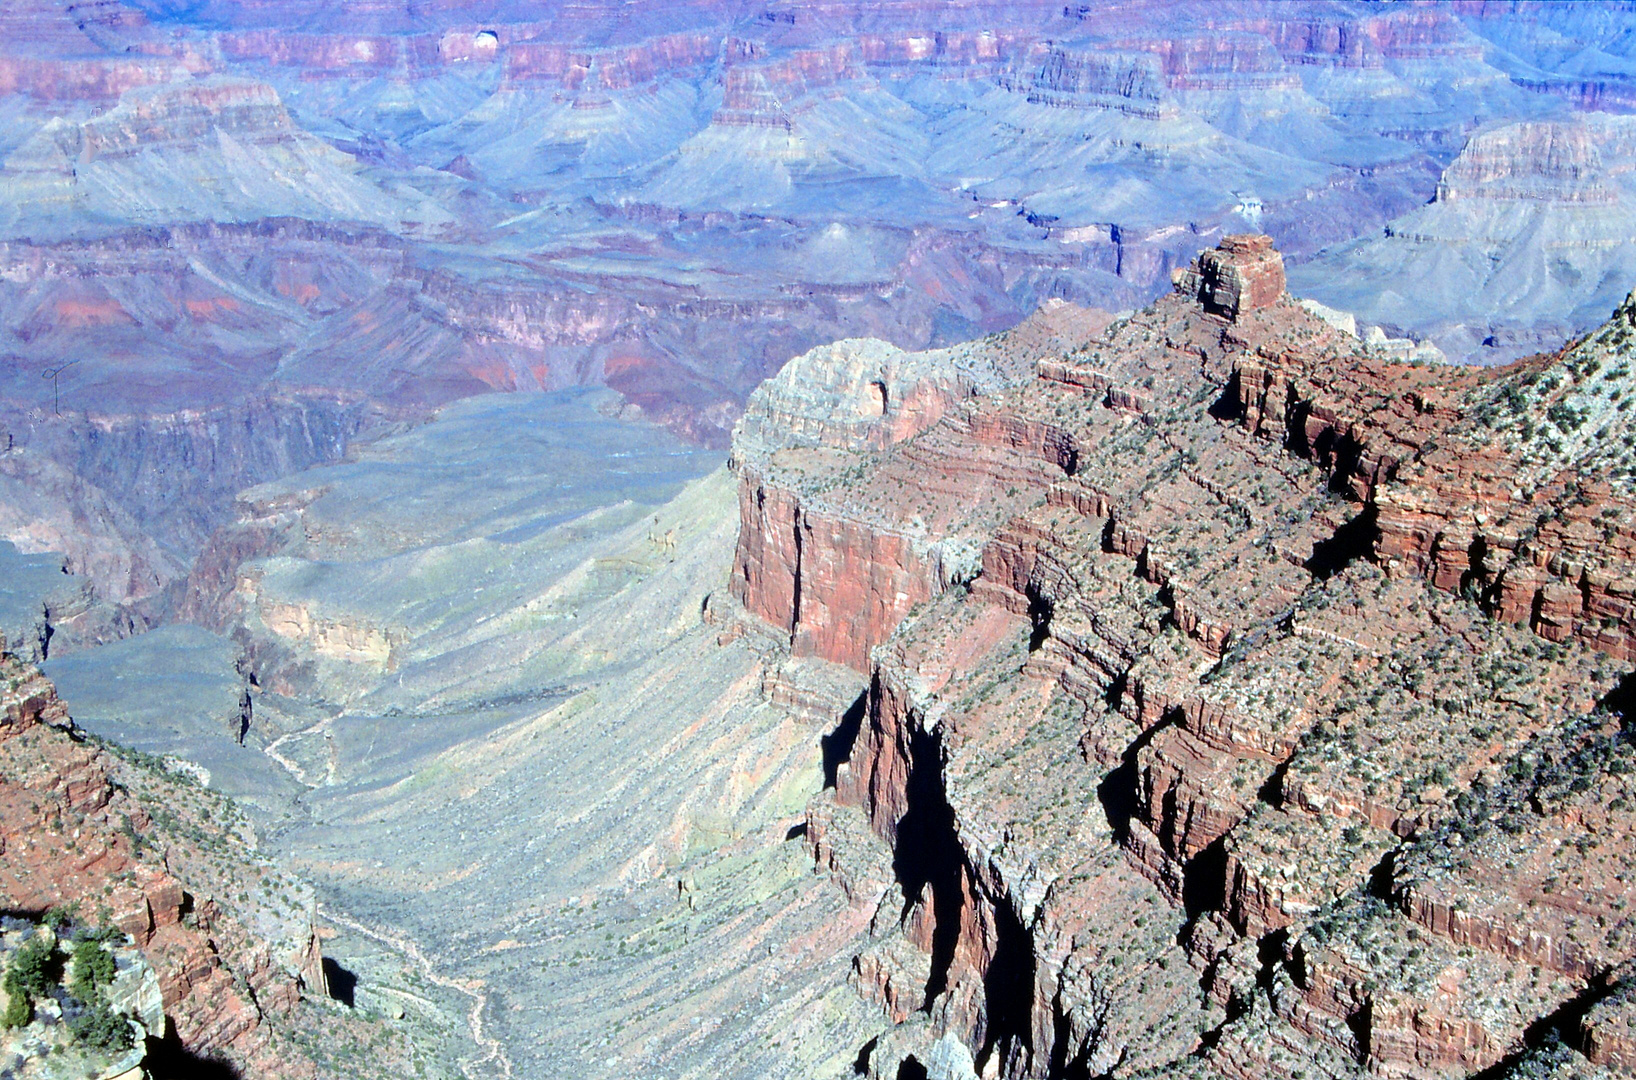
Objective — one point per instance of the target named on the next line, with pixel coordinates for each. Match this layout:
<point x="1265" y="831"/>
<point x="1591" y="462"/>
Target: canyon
<point x="1198" y="691"/>
<point x="241" y="234"/>
<point x="820" y="540"/>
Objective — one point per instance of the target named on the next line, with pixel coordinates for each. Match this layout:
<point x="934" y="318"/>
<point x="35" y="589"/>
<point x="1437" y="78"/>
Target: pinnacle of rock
<point x="1243" y="273"/>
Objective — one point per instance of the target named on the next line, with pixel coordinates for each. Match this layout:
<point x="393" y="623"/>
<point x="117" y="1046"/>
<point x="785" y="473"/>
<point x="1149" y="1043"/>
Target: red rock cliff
<point x="71" y="834"/>
<point x="1194" y="747"/>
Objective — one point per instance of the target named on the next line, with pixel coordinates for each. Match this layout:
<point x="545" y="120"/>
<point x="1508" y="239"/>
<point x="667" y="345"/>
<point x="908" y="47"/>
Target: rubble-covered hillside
<point x="209" y="960"/>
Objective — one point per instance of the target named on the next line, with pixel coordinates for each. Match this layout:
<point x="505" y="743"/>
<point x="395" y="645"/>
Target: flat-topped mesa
<point x="1243" y="273"/>
<point x="869" y="478"/>
<point x="858" y="394"/>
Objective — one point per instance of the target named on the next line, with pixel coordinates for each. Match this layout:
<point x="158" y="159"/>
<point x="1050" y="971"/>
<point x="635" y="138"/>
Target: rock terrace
<point x="1242" y="702"/>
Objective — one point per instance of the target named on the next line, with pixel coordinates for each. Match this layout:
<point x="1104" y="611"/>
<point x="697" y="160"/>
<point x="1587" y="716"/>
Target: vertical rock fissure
<point x="1119" y="790"/>
<point x="1204" y="881"/>
<point x="930" y="862"/>
<point x="1008" y="988"/>
<point x="1352" y="542"/>
<point x="795" y="576"/>
<point x="1040" y="610"/>
<point x="837" y="745"/>
<point x="928" y="854"/>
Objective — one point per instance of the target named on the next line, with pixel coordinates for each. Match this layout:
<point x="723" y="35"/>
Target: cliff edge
<point x="1242" y="702"/>
<point x="132" y="851"/>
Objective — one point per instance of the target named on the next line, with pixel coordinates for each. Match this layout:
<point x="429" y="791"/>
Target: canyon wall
<point x="1523" y="244"/>
<point x="127" y="843"/>
<point x="1212" y="760"/>
<point x="838" y="582"/>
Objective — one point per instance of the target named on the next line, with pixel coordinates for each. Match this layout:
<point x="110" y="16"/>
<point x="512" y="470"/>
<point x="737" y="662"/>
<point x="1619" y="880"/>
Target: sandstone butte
<point x="231" y="937"/>
<point x="1239" y="703"/>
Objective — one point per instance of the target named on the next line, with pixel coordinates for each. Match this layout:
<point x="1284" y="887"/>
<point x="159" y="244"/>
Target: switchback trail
<point x="491" y="1047"/>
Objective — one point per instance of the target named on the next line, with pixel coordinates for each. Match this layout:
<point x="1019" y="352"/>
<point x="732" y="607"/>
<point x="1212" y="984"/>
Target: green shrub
<point x="34" y="969"/>
<point x="93" y="969"/>
<point x="101" y="1028"/>
<point x="18" y="1010"/>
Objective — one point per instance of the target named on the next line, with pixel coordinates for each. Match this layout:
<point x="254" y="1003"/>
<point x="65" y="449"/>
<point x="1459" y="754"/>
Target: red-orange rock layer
<point x="1231" y="724"/>
<point x="70" y="836"/>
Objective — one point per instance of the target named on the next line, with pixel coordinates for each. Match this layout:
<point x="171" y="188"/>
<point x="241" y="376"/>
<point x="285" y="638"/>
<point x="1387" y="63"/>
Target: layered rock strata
<point x="124" y="842"/>
<point x="831" y="413"/>
<point x="1209" y="761"/>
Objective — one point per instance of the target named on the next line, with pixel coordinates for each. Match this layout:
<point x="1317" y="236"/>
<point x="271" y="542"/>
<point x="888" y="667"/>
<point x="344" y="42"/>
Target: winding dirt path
<point x="473" y="989"/>
<point x="300" y="774"/>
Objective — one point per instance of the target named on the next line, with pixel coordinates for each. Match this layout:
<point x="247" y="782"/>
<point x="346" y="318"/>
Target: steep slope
<point x="123" y="843"/>
<point x="1256" y="744"/>
<point x="565" y="801"/>
<point x="31" y="586"/>
<point x="1526" y="242"/>
<point x="413" y="558"/>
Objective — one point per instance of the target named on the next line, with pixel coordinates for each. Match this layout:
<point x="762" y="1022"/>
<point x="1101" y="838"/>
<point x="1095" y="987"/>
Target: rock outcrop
<point x="838" y="582"/>
<point x="1243" y="274"/>
<point x="125" y="843"/>
<point x="1234" y="755"/>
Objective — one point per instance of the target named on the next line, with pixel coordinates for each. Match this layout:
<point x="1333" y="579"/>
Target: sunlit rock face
<point x="1205" y="688"/>
<point x="211" y="149"/>
<point x="838" y="582"/>
<point x="1165" y="791"/>
<point x="1243" y="274"/>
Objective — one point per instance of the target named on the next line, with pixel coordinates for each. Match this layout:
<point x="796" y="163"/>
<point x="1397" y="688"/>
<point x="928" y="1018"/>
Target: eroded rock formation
<point x="125" y="842"/>
<point x="1275" y="727"/>
<point x="839" y="582"/>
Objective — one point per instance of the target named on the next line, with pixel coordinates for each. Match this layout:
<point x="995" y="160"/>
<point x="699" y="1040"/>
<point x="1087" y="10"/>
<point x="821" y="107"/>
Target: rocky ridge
<point x="137" y="845"/>
<point x="1276" y="725"/>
